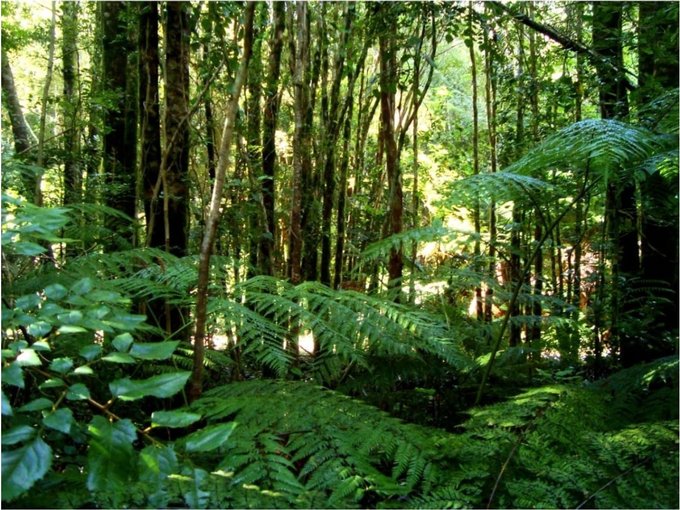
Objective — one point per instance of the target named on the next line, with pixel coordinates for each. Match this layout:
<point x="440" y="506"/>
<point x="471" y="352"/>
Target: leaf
<point x="78" y="391"/>
<point x="27" y="302"/>
<point x="156" y="464"/>
<point x="110" y="457"/>
<point x="195" y="497"/>
<point x="90" y="352"/>
<point x="83" y="370"/>
<point x="38" y="329"/>
<point x="55" y="291"/>
<point x="41" y="346"/>
<point x="60" y="420"/>
<point x="28" y="358"/>
<point x="72" y="317"/>
<point x="70" y="330"/>
<point x="161" y="386"/>
<point x="118" y="357"/>
<point x="6" y="406"/>
<point x="23" y="467"/>
<point x="154" y="351"/>
<point x="61" y="365"/>
<point x="209" y="438"/>
<point x="37" y="405"/>
<point x="13" y="375"/>
<point x="18" y="434"/>
<point x="173" y="419"/>
<point x="122" y="342"/>
<point x="27" y="248"/>
<point x="83" y="286"/>
<point x="52" y="383"/>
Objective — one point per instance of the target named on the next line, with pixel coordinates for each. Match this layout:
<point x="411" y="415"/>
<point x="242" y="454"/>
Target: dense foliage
<point x="430" y="274"/>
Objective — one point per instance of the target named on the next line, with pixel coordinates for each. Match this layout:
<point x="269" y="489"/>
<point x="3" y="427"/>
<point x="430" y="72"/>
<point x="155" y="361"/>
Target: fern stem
<point x="613" y="480"/>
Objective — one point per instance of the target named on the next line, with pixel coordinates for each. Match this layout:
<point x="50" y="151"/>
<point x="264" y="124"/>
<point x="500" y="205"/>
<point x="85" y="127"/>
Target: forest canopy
<point x="340" y="254"/>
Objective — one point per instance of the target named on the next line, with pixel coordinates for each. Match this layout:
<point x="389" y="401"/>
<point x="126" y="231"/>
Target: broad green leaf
<point x="122" y="342"/>
<point x="28" y="358"/>
<point x="22" y="467"/>
<point x="154" y="351"/>
<point x="156" y="463"/>
<point x="41" y="346"/>
<point x="83" y="286"/>
<point x="111" y="457"/>
<point x="72" y="317"/>
<point x="71" y="330"/>
<point x="55" y="291"/>
<point x="60" y="420"/>
<point x="83" y="370"/>
<point x="78" y="391"/>
<point x="13" y="375"/>
<point x="90" y="352"/>
<point x="118" y="357"/>
<point x="173" y="419"/>
<point x="18" y="346"/>
<point x="6" y="406"/>
<point x="209" y="438"/>
<point x="61" y="365"/>
<point x="161" y="386"/>
<point x="37" y="405"/>
<point x="18" y="434"/>
<point x="39" y="328"/>
<point x="52" y="383"/>
<point x="27" y="302"/>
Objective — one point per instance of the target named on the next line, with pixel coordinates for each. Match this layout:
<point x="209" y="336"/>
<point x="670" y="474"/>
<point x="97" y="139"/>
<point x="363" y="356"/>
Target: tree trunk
<point x="269" y="121"/>
<point x="658" y="72"/>
<point x="24" y="138"/>
<point x="479" y="311"/>
<point x="119" y="157"/>
<point x="69" y="57"/>
<point x="301" y="144"/>
<point x="149" y="104"/>
<point x="620" y="200"/>
<point x="176" y="178"/>
<point x="388" y="81"/>
<point x="213" y="217"/>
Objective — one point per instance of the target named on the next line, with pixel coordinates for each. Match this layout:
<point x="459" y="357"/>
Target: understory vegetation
<point x="431" y="261"/>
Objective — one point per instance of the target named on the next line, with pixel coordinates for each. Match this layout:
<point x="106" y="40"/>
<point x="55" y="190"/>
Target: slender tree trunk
<point x="24" y="138"/>
<point x="490" y="90"/>
<point x="271" y="108"/>
<point x="208" y="242"/>
<point x="69" y="56"/>
<point x="256" y="214"/>
<point x="479" y="300"/>
<point x="388" y="79"/>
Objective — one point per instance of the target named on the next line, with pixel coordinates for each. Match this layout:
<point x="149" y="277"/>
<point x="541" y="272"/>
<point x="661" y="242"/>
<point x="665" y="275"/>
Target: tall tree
<point x="119" y="151"/>
<point x="387" y="35"/>
<point x="269" y="122"/>
<point x="175" y="174"/>
<point x="24" y="138"/>
<point x="213" y="216"/>
<point x="658" y="72"/>
<point x="620" y="200"/>
<point x="301" y="141"/>
<point x="70" y="103"/>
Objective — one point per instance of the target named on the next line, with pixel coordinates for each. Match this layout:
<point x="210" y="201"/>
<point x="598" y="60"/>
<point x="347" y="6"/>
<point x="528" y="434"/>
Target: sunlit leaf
<point x="209" y="438"/>
<point x="161" y="386"/>
<point x="173" y="419"/>
<point x="154" y="351"/>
